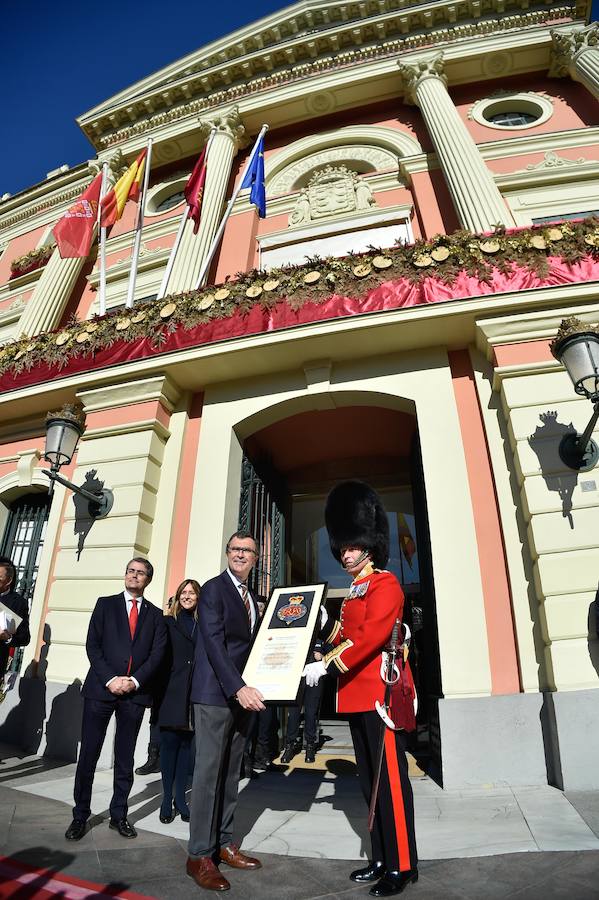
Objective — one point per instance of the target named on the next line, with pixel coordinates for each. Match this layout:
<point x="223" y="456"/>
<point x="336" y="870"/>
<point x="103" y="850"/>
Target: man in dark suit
<point x="16" y="603"/>
<point x="126" y="641"/>
<point x="223" y="706"/>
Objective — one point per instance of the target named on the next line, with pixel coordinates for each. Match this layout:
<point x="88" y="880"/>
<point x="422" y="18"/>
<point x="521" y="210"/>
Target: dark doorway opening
<point x="289" y="468"/>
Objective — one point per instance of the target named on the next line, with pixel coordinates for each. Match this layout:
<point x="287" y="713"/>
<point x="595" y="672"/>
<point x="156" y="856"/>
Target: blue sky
<point x="60" y="59"/>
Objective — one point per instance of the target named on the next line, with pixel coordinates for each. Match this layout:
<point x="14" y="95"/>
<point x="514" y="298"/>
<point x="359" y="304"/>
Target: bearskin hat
<point x="355" y="517"/>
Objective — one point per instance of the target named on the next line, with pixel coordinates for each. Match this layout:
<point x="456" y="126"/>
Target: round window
<point x="169" y="202"/>
<point x="513" y="111"/>
<point x="510" y="119"/>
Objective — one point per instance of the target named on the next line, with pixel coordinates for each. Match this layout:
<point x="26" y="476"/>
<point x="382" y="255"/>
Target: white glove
<point x="313" y="672"/>
<point x="323" y="615"/>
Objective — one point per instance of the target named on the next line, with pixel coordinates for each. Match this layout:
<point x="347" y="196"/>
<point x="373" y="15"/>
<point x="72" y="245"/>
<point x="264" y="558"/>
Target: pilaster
<point x="477" y="200"/>
<point x="123" y="448"/>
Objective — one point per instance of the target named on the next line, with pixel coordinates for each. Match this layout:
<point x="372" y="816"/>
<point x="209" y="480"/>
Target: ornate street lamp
<point x="576" y="347"/>
<point x="63" y="430"/>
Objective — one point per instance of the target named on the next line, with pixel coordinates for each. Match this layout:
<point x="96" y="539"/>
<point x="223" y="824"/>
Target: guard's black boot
<point x="288" y="753"/>
<point x="152" y="763"/>
<point x="310" y="753"/>
<point x="372" y="872"/>
<point x="393" y="883"/>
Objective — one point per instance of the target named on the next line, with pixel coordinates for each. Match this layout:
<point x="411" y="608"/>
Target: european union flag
<point x="254" y="179"/>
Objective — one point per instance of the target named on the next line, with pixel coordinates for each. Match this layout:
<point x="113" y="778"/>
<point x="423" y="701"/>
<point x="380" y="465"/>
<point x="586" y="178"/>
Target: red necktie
<point x="133" y="615"/>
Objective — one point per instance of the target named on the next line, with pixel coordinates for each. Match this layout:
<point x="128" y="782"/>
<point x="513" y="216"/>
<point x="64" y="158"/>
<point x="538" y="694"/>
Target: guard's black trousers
<point x="393" y="838"/>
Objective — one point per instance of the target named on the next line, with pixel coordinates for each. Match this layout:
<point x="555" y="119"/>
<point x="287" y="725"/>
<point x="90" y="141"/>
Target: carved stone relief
<point x="375" y="158"/>
<point x="331" y="191"/>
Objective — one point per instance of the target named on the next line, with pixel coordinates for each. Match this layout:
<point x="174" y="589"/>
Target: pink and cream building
<point x="389" y="122"/>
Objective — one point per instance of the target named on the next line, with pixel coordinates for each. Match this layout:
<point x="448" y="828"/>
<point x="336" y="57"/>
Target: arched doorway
<point x="289" y="467"/>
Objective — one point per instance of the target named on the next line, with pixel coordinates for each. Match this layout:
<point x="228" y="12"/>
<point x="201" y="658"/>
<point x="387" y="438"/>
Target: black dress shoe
<point x="393" y="883"/>
<point x="76" y="830"/>
<point x="372" y="872"/>
<point x="310" y="753"/>
<point x="184" y="813"/>
<point x="124" y="828"/>
<point x="167" y="817"/>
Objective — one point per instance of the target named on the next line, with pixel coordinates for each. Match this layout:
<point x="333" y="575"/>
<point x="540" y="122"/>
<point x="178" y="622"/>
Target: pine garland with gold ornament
<point x="443" y="258"/>
<point x="31" y="261"/>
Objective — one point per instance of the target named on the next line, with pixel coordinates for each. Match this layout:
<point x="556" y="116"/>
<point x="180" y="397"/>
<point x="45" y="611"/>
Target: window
<point x="559" y="217"/>
<point x="509" y="119"/>
<point x="23" y="539"/>
<point x="512" y="111"/>
<point x="169" y="202"/>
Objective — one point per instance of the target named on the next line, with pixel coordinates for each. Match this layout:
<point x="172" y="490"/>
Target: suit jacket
<point x="110" y="646"/>
<point x="223" y="643"/>
<point x="174" y="710"/>
<point x="21" y="637"/>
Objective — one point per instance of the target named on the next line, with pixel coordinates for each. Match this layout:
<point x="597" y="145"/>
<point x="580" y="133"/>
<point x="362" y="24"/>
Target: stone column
<point x="229" y="137"/>
<point x="477" y="199"/>
<point x="576" y="54"/>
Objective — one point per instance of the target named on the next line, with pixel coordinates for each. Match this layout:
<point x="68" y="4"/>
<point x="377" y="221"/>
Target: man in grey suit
<point x="223" y="708"/>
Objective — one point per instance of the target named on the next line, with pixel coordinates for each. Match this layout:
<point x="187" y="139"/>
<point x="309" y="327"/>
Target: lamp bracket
<point x="573" y="455"/>
<point x="100" y="502"/>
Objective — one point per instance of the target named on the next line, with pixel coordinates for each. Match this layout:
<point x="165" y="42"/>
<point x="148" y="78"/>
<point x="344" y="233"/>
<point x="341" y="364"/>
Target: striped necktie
<point x="245" y="596"/>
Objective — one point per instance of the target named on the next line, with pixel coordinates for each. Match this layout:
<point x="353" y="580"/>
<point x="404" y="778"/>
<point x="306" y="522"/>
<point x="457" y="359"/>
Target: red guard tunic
<point x="373" y="604"/>
<point x="368" y="613"/>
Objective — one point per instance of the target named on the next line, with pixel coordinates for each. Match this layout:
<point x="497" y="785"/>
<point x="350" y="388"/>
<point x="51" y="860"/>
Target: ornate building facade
<point x="431" y="175"/>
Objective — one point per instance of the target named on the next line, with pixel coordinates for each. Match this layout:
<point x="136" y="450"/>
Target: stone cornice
<point x="379" y="37"/>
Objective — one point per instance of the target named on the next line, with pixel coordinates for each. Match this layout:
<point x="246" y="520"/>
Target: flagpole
<point x="219" y="233"/>
<point x="180" y="232"/>
<point x="102" y="286"/>
<point x="138" y="230"/>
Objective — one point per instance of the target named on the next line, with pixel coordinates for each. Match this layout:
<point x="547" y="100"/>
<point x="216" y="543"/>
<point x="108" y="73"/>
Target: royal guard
<point x="375" y="687"/>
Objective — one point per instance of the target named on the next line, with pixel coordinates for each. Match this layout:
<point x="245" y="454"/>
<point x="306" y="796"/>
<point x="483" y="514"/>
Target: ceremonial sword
<point x="390" y="675"/>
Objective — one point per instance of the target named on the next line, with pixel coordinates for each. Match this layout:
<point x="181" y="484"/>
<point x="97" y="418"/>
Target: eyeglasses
<point x="245" y="551"/>
<point x="137" y="572"/>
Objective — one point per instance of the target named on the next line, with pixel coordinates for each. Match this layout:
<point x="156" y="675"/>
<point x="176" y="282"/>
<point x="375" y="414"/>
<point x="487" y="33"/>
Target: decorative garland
<point x="444" y="258"/>
<point x="35" y="259"/>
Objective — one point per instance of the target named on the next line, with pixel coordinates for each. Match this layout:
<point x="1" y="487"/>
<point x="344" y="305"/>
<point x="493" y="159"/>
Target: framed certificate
<point x="284" y="640"/>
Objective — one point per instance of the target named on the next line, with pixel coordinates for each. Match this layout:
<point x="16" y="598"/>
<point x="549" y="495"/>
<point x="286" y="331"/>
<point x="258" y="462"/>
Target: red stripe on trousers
<point x="399" y="813"/>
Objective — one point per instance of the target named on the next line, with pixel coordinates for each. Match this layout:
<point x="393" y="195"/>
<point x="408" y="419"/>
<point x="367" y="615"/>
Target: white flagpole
<point x="102" y="285"/>
<point x="138" y="230"/>
<point x="219" y="233"/>
<point x="179" y="238"/>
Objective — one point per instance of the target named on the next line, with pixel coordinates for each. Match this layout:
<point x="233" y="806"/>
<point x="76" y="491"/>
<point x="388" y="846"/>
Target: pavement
<point x="308" y="825"/>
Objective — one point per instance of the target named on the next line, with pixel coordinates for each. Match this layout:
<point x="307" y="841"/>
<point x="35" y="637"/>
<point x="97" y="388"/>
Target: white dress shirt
<point x="238" y="585"/>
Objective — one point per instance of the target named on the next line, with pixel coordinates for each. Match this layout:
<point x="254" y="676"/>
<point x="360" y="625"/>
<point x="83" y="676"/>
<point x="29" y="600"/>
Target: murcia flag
<point x="194" y="190"/>
<point x="128" y="187"/>
<point x="75" y="231"/>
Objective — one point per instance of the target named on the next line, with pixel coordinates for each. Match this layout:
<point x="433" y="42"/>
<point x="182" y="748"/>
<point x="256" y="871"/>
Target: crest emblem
<point x="294" y="610"/>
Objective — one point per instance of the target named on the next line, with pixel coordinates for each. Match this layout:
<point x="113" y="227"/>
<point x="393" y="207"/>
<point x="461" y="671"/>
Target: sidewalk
<point x="309" y="829"/>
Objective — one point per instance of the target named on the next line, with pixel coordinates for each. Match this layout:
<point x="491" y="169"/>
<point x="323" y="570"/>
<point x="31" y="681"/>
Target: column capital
<point x="568" y="45"/>
<point x="117" y="165"/>
<point x="228" y="123"/>
<point x="415" y="73"/>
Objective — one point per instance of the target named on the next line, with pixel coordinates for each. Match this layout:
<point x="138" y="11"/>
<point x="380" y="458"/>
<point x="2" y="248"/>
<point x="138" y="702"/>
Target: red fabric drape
<point x="387" y="296"/>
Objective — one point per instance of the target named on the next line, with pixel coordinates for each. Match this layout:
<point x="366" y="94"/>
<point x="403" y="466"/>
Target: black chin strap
<point x="357" y="562"/>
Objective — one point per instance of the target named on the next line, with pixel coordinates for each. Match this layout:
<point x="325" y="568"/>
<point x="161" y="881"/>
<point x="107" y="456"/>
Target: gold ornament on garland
<point x="440" y="254"/>
<point x="271" y="285"/>
<point x="362" y="271"/>
<point x="206" y="302"/>
<point x="222" y="294"/>
<point x="167" y="310"/>
<point x="253" y="291"/>
<point x="138" y="317"/>
<point x="123" y="324"/>
<point x="382" y="262"/>
<point x="311" y="277"/>
<point x="422" y="260"/>
<point x="490" y="246"/>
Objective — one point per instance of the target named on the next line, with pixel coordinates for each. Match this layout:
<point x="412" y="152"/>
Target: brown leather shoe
<point x="232" y="856"/>
<point x="206" y="875"/>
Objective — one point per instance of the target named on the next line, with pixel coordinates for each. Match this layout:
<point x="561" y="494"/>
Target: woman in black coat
<point x="174" y="715"/>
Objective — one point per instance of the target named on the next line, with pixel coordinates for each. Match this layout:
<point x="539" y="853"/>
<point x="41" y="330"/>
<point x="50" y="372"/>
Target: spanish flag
<point x="128" y="187"/>
<point x="406" y="541"/>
